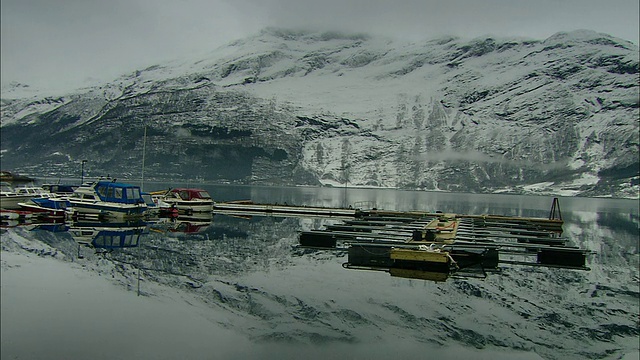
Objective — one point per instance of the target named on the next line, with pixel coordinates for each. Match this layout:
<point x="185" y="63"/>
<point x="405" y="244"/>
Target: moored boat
<point x="9" y="198"/>
<point x="60" y="189"/>
<point x="189" y="200"/>
<point x="108" y="197"/>
<point x="32" y="191"/>
<point x="49" y="208"/>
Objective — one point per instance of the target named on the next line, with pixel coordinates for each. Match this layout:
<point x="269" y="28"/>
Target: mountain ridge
<point x="554" y="116"/>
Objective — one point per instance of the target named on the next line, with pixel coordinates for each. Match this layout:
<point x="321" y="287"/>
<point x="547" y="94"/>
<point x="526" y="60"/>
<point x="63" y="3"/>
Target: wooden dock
<point x="246" y="207"/>
<point x="426" y="243"/>
<point x="410" y="242"/>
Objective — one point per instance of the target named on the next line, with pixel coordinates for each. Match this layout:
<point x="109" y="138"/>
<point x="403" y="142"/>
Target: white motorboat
<point x="108" y="198"/>
<point x="189" y="200"/>
<point x="10" y="197"/>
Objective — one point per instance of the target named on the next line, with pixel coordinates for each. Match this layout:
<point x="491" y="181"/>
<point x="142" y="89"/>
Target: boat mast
<point x="144" y="150"/>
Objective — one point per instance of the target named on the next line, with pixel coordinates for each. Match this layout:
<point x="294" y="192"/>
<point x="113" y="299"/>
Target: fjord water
<point x="240" y="287"/>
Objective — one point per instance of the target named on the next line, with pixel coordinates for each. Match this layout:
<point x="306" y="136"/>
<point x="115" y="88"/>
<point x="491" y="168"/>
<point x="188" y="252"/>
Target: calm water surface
<point x="240" y="287"/>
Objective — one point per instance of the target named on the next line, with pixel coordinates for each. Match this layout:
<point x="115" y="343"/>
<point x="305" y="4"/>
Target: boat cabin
<point x="60" y="188"/>
<point x="119" y="192"/>
<point x="5" y="188"/>
<point x="112" y="239"/>
<point x="190" y="194"/>
<point x="32" y="191"/>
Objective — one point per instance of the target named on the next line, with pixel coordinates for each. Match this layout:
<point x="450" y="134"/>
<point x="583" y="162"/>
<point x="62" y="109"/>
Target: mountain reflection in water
<point x="242" y="287"/>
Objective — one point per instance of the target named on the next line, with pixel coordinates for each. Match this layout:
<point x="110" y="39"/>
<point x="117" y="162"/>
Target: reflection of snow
<point x="47" y="293"/>
<point x="584" y="217"/>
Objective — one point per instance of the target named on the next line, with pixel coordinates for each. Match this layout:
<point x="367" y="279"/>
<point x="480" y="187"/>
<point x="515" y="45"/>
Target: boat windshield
<point x="115" y="239"/>
<point x="148" y="200"/>
<point x="133" y="193"/>
<point x="6" y="188"/>
<point x="118" y="192"/>
<point x="204" y="195"/>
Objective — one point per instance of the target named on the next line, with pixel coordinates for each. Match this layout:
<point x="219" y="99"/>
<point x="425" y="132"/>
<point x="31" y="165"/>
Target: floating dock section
<point x="415" y="243"/>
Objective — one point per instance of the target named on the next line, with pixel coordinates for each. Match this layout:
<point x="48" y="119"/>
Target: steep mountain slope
<point x="287" y="107"/>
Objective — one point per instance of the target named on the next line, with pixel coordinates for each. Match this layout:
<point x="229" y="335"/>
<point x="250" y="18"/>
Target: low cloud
<point x="479" y="157"/>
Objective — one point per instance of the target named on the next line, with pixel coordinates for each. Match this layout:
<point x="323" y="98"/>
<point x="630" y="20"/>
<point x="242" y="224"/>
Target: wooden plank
<point x="420" y="255"/>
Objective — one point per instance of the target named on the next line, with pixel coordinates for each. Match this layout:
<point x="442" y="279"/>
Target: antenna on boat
<point x="82" y="171"/>
<point x="144" y="148"/>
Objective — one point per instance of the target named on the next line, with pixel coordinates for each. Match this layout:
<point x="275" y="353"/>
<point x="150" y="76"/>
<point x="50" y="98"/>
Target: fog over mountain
<point x="288" y="107"/>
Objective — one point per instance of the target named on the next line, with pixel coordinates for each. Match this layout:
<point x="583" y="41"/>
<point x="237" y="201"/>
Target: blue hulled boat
<point x="50" y="208"/>
<point x="108" y="198"/>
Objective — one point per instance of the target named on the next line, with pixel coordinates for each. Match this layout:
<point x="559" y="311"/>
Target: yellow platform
<point x="420" y="255"/>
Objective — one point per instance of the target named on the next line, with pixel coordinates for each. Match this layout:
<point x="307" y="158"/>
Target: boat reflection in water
<point x="108" y="235"/>
<point x="52" y="227"/>
<point x="196" y="223"/>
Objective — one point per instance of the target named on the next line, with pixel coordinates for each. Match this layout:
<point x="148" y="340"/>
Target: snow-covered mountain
<point x="553" y="116"/>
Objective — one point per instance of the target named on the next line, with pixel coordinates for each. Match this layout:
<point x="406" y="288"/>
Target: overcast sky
<point x="66" y="42"/>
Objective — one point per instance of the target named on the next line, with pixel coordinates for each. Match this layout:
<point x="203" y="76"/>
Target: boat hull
<point x="191" y="206"/>
<point x="104" y="208"/>
<point x="47" y="207"/>
<point x="46" y="212"/>
<point x="12" y="202"/>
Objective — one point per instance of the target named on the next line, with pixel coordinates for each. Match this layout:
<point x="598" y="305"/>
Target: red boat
<point x="189" y="200"/>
